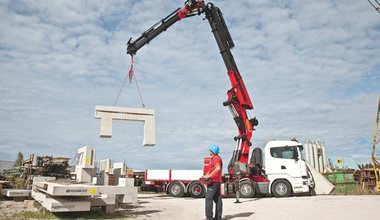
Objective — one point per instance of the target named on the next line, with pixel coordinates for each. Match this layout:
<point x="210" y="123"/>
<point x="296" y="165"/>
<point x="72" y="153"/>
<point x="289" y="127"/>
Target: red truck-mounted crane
<point x="238" y="100"/>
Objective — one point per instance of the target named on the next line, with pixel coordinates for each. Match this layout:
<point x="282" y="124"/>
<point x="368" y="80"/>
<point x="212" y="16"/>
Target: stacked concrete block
<point x="61" y="204"/>
<point x="64" y="196"/>
<point x="16" y="194"/>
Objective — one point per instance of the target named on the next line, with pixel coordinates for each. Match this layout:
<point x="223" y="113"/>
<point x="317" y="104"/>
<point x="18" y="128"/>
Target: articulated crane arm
<point x="191" y="8"/>
<point x="238" y="100"/>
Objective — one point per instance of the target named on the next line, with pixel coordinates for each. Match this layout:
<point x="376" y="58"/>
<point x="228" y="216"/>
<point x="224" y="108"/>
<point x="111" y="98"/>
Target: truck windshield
<point x="285" y="152"/>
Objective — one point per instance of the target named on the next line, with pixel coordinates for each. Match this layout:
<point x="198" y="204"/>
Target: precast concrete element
<point x="105" y="169"/>
<point x="322" y="185"/>
<point x="85" y="166"/>
<point x="119" y="167"/>
<point x="43" y="179"/>
<point x="16" y="192"/>
<point x="131" y="195"/>
<point x="66" y="197"/>
<point x="105" y="165"/>
<point x="107" y="113"/>
<point x="62" y="204"/>
<point x="58" y="189"/>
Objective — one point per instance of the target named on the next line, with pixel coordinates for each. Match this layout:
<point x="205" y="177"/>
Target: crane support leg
<point x="106" y="114"/>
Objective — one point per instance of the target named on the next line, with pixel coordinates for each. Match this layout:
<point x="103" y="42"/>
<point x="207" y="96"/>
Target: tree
<point x="19" y="160"/>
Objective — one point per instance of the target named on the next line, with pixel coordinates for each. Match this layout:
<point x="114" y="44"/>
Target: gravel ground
<point x="292" y="208"/>
<point x="159" y="206"/>
<point x="9" y="208"/>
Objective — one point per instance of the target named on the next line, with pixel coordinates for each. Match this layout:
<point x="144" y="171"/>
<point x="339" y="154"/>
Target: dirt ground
<point x="160" y="206"/>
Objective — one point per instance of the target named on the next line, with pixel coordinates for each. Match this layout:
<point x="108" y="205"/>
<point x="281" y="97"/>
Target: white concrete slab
<point x="66" y="205"/>
<point x="56" y="189"/>
<point x="101" y="201"/>
<point x="119" y="166"/>
<point x="322" y="185"/>
<point x="39" y="196"/>
<point x="16" y="192"/>
<point x="43" y="178"/>
<point x="105" y="165"/>
<point x="130" y="198"/>
<point x="124" y="181"/>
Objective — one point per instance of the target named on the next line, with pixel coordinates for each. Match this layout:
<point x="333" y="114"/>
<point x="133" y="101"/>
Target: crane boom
<point x="191" y="8"/>
<point x="238" y="100"/>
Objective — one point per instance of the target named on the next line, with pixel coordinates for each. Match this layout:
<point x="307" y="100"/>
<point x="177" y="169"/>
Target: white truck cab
<point x="285" y="168"/>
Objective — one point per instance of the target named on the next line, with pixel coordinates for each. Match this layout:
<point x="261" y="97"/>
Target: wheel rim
<point x="245" y="189"/>
<point x="197" y="190"/>
<point x="176" y="189"/>
<point x="281" y="188"/>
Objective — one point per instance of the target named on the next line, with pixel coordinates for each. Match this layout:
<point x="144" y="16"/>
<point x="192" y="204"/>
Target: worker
<point x="213" y="189"/>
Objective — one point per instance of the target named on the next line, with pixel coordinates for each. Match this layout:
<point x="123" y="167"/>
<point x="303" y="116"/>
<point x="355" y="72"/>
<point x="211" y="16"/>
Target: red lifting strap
<point x="130" y="73"/>
<point x="130" y="77"/>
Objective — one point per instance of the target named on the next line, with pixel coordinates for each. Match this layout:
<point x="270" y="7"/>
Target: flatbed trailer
<point x="175" y="182"/>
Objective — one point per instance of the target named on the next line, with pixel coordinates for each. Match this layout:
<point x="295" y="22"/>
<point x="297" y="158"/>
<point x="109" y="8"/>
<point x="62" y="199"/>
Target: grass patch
<point x="34" y="215"/>
<point x="355" y="189"/>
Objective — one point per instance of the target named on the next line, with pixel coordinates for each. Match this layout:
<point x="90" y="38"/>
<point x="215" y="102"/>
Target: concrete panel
<point x="84" y="175"/>
<point x="86" y="157"/>
<point x="130" y="198"/>
<point x="56" y="189"/>
<point x="107" y="113"/>
<point x="322" y="185"/>
<point x="105" y="165"/>
<point x="39" y="196"/>
<point x="106" y="126"/>
<point x="119" y="166"/>
<point x="66" y="205"/>
<point x="101" y="201"/>
<point x="43" y="178"/>
<point x="126" y="182"/>
<point x="16" y="192"/>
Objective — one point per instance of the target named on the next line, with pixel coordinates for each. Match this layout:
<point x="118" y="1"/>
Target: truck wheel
<point x="176" y="189"/>
<point x="196" y="190"/>
<point x="247" y="190"/>
<point x="312" y="192"/>
<point x="281" y="188"/>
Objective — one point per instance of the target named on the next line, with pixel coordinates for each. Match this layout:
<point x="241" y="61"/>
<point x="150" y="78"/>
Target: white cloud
<point x="311" y="69"/>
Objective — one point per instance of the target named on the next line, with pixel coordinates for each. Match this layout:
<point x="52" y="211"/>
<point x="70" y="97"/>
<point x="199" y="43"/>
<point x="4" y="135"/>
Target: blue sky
<point x="311" y="68"/>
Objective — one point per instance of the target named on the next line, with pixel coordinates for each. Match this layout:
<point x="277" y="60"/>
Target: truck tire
<point x="196" y="190"/>
<point x="281" y="188"/>
<point x="176" y="189"/>
<point x="247" y="189"/>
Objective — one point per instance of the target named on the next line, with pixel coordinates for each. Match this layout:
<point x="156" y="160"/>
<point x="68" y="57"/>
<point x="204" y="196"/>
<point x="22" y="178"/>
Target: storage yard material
<point x="68" y="197"/>
<point x="85" y="192"/>
<point x="11" y="193"/>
